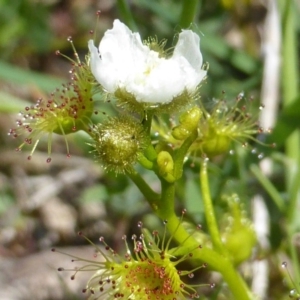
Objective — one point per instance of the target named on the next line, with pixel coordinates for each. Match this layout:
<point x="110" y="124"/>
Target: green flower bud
<point x="118" y="143"/>
<point x="217" y="145"/>
<point x="188" y="122"/>
<point x="165" y="165"/>
<point x="180" y="133"/>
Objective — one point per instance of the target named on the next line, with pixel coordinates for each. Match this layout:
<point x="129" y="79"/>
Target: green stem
<point x="209" y="210"/>
<point x="180" y="154"/>
<point x="292" y="213"/>
<point x="166" y="207"/>
<point x="269" y="187"/>
<point x="290" y="77"/>
<point x="188" y="12"/>
<point x="147" y="121"/>
<point x="126" y="14"/>
<point x="149" y="152"/>
<point x="145" y="162"/>
<point x="290" y="91"/>
<point x="294" y="255"/>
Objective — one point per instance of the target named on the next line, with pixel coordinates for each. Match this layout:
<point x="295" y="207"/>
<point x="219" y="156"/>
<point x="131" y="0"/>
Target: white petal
<point x="161" y="85"/>
<point x="188" y="47"/>
<point x="188" y="54"/>
<point x="96" y="67"/>
<point x="121" y="53"/>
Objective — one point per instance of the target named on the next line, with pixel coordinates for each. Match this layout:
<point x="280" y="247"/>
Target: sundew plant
<point x="161" y="123"/>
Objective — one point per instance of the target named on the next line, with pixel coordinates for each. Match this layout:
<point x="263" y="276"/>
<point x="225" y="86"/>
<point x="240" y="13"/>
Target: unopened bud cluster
<point x="216" y="128"/>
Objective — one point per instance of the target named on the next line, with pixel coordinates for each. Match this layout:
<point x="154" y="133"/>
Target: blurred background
<point x="251" y="47"/>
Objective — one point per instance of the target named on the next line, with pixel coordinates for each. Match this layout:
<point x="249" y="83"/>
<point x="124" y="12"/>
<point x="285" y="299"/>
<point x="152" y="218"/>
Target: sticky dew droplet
<point x="254" y="151"/>
<point x="294" y="294"/>
<point x="260" y="156"/>
<point x="206" y="159"/>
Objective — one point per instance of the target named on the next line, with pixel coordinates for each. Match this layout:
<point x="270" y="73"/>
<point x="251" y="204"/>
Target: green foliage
<point x="287" y="123"/>
<point x="24" y="27"/>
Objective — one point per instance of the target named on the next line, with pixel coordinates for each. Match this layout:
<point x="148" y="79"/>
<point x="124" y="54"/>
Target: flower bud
<point x="165" y="165"/>
<point x="188" y="122"/>
<point x="216" y="145"/>
<point x="118" y="143"/>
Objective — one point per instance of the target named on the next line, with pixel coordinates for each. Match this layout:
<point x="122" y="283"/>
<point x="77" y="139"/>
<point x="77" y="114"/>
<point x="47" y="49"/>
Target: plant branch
<point x="209" y="210"/>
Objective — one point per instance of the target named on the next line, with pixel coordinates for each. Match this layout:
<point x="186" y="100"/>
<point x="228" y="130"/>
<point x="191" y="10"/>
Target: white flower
<point x="124" y="62"/>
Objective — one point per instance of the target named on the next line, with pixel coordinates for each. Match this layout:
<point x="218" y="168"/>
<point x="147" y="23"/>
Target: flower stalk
<point x="188" y="12"/>
<point x="209" y="210"/>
